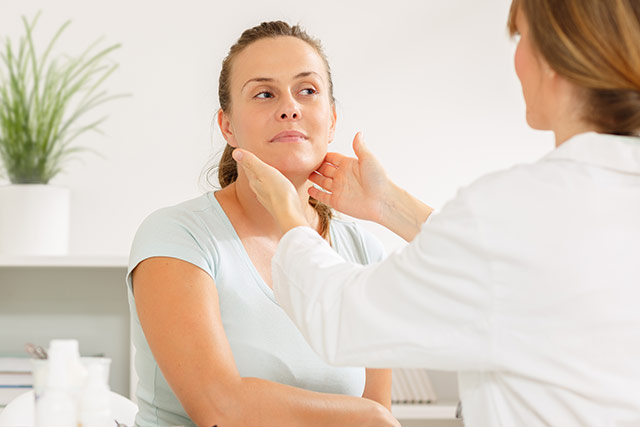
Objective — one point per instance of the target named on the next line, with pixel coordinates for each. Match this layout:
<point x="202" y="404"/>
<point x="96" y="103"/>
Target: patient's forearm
<point x="378" y="386"/>
<point x="258" y="402"/>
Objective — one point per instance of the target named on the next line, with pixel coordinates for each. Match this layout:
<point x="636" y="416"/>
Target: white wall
<point x="431" y="83"/>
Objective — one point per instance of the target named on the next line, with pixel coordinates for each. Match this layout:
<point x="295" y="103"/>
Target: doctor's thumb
<point x="246" y="160"/>
<point x="238" y="155"/>
<point x="359" y="147"/>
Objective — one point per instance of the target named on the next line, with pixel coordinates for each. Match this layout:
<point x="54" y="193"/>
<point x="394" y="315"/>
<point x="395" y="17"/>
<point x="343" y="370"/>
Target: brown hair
<point x="594" y="44"/>
<point x="227" y="167"/>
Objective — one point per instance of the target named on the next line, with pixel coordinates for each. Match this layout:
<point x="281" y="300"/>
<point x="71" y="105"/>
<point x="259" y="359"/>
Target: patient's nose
<point x="289" y="109"/>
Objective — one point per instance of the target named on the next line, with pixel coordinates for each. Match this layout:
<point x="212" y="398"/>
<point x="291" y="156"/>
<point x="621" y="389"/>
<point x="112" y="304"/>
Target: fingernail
<point x="237" y="155"/>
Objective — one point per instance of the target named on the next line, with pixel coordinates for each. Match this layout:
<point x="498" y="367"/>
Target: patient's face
<point x="281" y="85"/>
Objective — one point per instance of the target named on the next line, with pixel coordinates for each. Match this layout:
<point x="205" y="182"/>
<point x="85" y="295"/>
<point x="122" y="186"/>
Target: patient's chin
<point x="296" y="167"/>
<point x="297" y="176"/>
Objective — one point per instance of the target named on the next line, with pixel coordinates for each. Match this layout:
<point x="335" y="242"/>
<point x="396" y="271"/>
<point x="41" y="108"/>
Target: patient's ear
<point x="227" y="130"/>
<point x="332" y="124"/>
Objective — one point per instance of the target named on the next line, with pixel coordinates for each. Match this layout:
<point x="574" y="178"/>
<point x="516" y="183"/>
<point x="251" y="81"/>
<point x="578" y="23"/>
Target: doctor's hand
<point x="356" y="187"/>
<point x="360" y="188"/>
<point x="273" y="190"/>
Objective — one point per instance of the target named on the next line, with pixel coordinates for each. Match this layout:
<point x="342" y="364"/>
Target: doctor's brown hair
<point x="594" y="44"/>
<point x="228" y="168"/>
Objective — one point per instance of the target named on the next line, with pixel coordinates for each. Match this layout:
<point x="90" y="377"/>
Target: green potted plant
<point x="44" y="101"/>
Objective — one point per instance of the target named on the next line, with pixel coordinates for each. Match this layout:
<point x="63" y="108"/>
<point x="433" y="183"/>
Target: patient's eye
<point x="309" y="91"/>
<point x="264" y="95"/>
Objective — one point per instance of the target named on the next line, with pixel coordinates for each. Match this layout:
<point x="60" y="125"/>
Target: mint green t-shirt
<point x="264" y="341"/>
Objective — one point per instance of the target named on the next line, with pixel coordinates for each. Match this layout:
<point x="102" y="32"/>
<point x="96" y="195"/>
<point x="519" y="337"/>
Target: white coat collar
<point x="620" y="153"/>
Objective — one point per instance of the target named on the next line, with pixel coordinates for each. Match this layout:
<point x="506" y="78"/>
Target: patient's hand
<point x="357" y="187"/>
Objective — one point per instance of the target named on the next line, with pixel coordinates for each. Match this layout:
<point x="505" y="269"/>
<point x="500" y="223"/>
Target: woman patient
<point x="213" y="346"/>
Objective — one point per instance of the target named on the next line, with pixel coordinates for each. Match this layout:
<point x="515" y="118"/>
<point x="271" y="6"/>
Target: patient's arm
<point x="178" y="308"/>
<point x="378" y="386"/>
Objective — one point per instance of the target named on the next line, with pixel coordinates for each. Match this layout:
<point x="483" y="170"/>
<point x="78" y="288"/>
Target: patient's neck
<point x="256" y="214"/>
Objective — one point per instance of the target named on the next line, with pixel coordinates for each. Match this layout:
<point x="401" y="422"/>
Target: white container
<point x="34" y="219"/>
<point x="92" y="409"/>
<point x="41" y="371"/>
<point x="95" y="401"/>
<point x="57" y="406"/>
<point x="56" y="409"/>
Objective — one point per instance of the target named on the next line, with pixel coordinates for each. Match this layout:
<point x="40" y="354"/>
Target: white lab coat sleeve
<point x="428" y="305"/>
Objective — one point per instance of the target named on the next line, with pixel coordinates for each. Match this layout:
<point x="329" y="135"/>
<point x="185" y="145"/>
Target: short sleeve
<point x="173" y="233"/>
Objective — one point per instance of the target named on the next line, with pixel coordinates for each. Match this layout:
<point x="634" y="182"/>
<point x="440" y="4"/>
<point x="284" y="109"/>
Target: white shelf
<point x="73" y="296"/>
<point x="428" y="411"/>
<point x="67" y="261"/>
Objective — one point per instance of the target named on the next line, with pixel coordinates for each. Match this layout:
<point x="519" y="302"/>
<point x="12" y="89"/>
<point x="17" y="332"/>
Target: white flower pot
<point x="34" y="219"/>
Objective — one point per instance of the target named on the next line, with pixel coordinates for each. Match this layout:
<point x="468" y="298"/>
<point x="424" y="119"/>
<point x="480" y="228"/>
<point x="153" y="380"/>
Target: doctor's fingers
<point x="321" y="180"/>
<point x="320" y="195"/>
<point x="328" y="169"/>
<point x="335" y="159"/>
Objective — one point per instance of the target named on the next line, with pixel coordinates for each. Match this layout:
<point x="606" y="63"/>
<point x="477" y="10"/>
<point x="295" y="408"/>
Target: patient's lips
<point x="289" y="136"/>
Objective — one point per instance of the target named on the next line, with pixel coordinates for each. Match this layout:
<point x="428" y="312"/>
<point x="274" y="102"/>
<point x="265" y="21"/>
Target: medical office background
<point x="430" y="83"/>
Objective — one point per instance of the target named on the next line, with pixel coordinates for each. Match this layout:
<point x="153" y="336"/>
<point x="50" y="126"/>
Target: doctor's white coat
<point x="527" y="283"/>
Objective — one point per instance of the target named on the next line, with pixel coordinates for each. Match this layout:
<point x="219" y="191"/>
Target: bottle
<point x="57" y="405"/>
<point x="77" y="371"/>
<point x="95" y="403"/>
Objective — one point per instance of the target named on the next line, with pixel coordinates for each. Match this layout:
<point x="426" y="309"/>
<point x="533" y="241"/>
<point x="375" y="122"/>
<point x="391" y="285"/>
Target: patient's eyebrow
<point x="305" y="74"/>
<point x="269" y="79"/>
<point x="257" y="79"/>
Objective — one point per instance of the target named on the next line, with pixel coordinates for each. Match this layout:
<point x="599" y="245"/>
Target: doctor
<point x="528" y="282"/>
